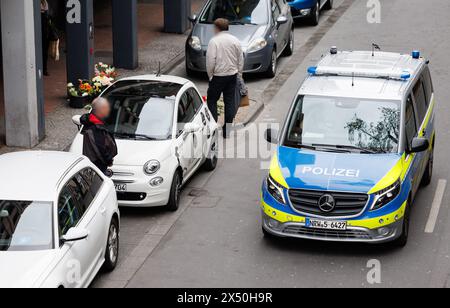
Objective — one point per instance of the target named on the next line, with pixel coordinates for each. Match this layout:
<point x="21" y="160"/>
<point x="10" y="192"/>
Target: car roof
<point x="161" y="78"/>
<point x="34" y="175"/>
<point x="361" y="74"/>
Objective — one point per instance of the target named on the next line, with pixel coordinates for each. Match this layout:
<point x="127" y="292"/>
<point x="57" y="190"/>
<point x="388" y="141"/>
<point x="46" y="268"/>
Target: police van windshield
<point x="237" y="11"/>
<point x="344" y="124"/>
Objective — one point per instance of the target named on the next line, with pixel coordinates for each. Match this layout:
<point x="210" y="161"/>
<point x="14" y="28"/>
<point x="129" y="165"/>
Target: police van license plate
<point x="121" y="187"/>
<point x="326" y="224"/>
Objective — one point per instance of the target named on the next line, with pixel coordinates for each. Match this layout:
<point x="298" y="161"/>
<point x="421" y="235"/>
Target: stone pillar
<point x="125" y="29"/>
<point x="20" y="72"/>
<point x="80" y="39"/>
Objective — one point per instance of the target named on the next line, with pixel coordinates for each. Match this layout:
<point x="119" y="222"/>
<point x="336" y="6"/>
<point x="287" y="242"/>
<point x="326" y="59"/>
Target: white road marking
<point x="436" y="206"/>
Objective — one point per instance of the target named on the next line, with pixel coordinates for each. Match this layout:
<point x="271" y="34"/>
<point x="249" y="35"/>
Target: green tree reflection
<point x="381" y="136"/>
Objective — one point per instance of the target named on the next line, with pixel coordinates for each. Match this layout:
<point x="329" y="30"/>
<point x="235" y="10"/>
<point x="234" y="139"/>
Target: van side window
<point x="421" y="101"/>
<point x="410" y="122"/>
<point x="428" y="84"/>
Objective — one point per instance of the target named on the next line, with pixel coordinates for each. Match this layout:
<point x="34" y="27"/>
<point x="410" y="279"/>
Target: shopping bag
<point x="54" y="50"/>
<point x="245" y="101"/>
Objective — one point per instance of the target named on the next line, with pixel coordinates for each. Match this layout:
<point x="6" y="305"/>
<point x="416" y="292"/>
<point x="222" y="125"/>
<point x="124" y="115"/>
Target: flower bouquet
<point x="81" y="94"/>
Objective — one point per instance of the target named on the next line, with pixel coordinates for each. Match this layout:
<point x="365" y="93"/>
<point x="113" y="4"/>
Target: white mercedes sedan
<point x="164" y="133"/>
<point x="59" y="221"/>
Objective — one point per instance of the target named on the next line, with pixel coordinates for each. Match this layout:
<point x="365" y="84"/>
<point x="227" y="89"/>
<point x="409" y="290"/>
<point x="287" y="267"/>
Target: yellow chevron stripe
<point x="275" y="172"/>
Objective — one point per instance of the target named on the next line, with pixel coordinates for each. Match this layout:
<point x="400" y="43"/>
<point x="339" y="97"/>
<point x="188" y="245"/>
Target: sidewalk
<point x="154" y="47"/>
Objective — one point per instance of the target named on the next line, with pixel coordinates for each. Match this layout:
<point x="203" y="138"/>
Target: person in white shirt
<point x="224" y="62"/>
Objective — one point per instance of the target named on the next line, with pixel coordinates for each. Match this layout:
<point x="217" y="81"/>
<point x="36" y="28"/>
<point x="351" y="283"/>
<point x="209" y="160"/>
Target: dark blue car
<point x="309" y="9"/>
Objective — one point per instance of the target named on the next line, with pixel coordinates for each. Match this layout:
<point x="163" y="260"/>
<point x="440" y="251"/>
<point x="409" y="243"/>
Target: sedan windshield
<point x="344" y="125"/>
<point x="142" y="109"/>
<point x="26" y="226"/>
<point x="237" y="11"/>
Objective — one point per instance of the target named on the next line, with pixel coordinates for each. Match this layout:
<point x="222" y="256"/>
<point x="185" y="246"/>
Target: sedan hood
<point x="137" y="153"/>
<point x="305" y="169"/>
<point x="24" y="269"/>
<point x="244" y="33"/>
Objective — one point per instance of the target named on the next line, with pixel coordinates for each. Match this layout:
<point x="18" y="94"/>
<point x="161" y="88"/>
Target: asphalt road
<point x="216" y="241"/>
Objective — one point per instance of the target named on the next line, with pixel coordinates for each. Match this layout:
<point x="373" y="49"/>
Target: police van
<point x="357" y="145"/>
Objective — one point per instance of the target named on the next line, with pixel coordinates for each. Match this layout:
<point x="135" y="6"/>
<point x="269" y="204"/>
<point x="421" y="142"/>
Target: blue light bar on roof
<point x="405" y="76"/>
<point x="416" y="54"/>
<point x="312" y="70"/>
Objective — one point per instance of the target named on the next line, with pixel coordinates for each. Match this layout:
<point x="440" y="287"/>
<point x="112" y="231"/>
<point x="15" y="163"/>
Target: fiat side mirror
<point x="191" y="128"/>
<point x="77" y="121"/>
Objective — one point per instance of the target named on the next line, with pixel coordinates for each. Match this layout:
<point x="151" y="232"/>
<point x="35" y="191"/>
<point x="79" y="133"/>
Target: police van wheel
<point x="266" y="234"/>
<point x="403" y="239"/>
<point x="428" y="175"/>
<point x="175" y="192"/>
<point x="328" y="5"/>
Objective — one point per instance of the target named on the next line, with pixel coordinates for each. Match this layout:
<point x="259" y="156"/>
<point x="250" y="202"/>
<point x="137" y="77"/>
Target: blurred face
<point x="103" y="110"/>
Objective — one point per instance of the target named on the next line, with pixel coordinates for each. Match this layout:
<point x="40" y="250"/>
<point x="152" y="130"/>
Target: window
<point x="70" y="210"/>
<point x="197" y="101"/>
<point x="142" y="109"/>
<point x="428" y="84"/>
<point x="410" y="122"/>
<point x="276" y="11"/>
<point x="76" y="197"/>
<point x="236" y="11"/>
<point x="26" y="225"/>
<point x="372" y="125"/>
<point x="93" y="180"/>
<point x="421" y="102"/>
<point x="186" y="109"/>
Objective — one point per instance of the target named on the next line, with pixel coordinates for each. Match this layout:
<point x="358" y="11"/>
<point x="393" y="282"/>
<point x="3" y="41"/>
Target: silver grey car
<point x="265" y="29"/>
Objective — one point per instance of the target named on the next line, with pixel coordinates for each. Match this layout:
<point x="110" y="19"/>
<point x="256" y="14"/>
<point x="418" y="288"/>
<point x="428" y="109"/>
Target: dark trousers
<point x="226" y="86"/>
<point x="45" y="40"/>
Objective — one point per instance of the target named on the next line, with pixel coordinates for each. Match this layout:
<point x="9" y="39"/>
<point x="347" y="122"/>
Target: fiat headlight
<point x="151" y="167"/>
<point x="275" y="190"/>
<point x="257" y="45"/>
<point x="195" y="43"/>
<point x="386" y="195"/>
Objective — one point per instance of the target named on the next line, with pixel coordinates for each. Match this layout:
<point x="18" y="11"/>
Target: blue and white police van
<point x="357" y="145"/>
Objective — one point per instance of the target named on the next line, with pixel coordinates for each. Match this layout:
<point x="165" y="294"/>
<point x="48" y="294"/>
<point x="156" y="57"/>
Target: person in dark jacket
<point x="99" y="144"/>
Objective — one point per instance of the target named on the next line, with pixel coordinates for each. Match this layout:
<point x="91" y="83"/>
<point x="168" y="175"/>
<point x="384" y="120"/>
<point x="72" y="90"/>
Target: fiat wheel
<point x="175" y="192"/>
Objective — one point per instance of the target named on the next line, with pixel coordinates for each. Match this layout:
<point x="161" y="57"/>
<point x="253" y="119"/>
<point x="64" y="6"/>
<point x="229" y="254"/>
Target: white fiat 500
<point x="164" y="134"/>
<point x="59" y="221"/>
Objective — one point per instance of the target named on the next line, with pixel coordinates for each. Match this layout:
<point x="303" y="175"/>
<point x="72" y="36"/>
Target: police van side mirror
<point x="419" y="145"/>
<point x="271" y="136"/>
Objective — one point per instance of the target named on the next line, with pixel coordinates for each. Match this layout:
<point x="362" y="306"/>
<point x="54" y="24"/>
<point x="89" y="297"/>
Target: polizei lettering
<point x="337" y="172"/>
